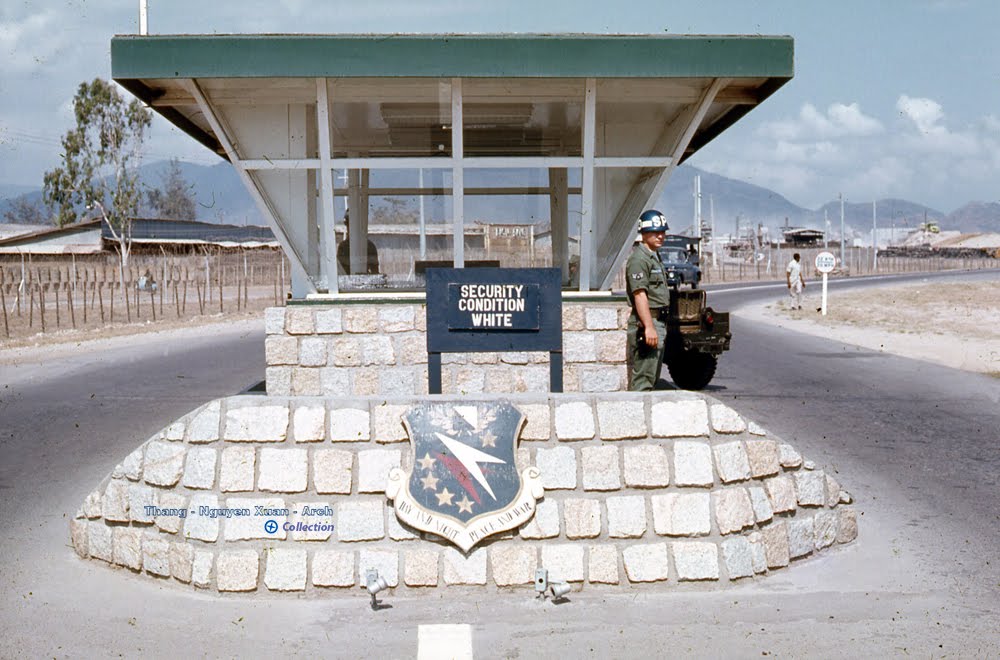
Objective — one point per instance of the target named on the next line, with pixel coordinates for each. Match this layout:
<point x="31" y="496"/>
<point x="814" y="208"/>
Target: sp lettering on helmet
<point x="652" y="220"/>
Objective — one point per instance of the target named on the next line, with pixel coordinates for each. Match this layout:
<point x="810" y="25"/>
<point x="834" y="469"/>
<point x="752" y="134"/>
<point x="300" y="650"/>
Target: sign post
<point x="825" y="262"/>
<point x="494" y="310"/>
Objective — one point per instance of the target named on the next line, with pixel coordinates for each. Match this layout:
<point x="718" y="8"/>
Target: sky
<point x="890" y="99"/>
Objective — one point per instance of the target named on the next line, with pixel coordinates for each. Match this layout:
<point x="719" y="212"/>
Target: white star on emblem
<point x="430" y="482"/>
<point x="427" y="463"/>
<point x="489" y="440"/>
<point x="470" y="458"/>
<point x="444" y="497"/>
<point x="464" y="504"/>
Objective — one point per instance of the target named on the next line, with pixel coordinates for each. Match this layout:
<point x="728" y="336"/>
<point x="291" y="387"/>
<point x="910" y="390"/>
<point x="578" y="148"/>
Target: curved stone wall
<point x="640" y="490"/>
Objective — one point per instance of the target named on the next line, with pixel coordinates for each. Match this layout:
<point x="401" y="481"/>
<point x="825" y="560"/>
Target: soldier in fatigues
<point x="649" y="297"/>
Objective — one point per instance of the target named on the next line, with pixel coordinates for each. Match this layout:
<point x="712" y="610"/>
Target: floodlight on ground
<point x="543" y="585"/>
<point x="374" y="584"/>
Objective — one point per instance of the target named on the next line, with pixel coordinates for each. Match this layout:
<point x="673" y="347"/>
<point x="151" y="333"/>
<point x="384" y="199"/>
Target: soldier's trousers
<point x="644" y="361"/>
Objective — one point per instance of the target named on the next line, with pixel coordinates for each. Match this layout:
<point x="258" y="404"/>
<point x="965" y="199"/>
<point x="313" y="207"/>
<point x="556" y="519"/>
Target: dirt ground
<point x="957" y="325"/>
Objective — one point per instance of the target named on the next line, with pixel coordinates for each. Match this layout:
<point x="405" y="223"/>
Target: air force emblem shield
<point x="464" y="484"/>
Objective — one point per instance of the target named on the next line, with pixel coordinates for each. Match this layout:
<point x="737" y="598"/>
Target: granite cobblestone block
<point x="564" y="561"/>
<point x="696" y="560"/>
<point x="621" y="420"/>
<point x="680" y="419"/>
<point x="693" y="464"/>
<point x="386" y="562"/>
<point x="731" y="462"/>
<point x="558" y="467"/>
<point x="626" y="516"/>
<point x="299" y="321"/>
<point x="285" y="569"/>
<point x="266" y="423"/>
<point x="682" y="514"/>
<point x="237" y="570"/>
<point x="283" y="470"/>
<point x="309" y="424"/>
<point x="601" y="468"/>
<point x="236" y="472"/>
<point x="463" y="569"/>
<point x="360" y="520"/>
<point x="646" y="466"/>
<point x="582" y="518"/>
<point x="602" y="564"/>
<point x="333" y="568"/>
<point x="513" y="564"/>
<point x="574" y="421"/>
<point x="646" y="563"/>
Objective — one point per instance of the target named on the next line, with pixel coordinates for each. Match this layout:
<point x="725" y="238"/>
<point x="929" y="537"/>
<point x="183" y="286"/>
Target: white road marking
<point x="470" y="458"/>
<point x="444" y="642"/>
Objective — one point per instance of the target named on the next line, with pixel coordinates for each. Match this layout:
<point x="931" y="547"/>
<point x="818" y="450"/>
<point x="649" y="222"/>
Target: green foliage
<point x="174" y="200"/>
<point x="100" y="160"/>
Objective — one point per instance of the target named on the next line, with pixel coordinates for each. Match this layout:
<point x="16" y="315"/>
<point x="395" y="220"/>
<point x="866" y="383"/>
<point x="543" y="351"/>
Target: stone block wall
<point x="640" y="490"/>
<point x="381" y="349"/>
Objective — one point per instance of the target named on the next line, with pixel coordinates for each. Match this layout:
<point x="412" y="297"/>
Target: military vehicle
<point x="680" y="259"/>
<point x="696" y="334"/>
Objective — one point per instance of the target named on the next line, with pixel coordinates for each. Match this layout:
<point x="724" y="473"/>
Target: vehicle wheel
<point x="691" y="370"/>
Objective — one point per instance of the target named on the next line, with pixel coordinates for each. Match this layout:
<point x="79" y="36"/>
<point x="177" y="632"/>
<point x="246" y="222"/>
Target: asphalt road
<point x="917" y="444"/>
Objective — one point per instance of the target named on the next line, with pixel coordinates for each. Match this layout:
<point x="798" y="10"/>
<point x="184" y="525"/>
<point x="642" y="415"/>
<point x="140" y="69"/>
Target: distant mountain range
<point x="221" y="198"/>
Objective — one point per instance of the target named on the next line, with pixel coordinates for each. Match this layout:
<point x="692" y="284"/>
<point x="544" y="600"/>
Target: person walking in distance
<point x="649" y="296"/>
<point x="796" y="282"/>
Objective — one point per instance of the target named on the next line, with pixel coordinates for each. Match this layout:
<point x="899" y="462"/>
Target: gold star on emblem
<point x="430" y="482"/>
<point x="464" y="504"/>
<point x="444" y="497"/>
<point x="427" y="463"/>
<point x="489" y="440"/>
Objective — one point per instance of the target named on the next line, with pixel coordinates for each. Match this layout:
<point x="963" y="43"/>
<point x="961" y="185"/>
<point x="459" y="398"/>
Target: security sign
<point x="464" y="485"/>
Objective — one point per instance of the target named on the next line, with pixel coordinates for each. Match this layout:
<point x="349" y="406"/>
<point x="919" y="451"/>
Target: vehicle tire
<point x="691" y="370"/>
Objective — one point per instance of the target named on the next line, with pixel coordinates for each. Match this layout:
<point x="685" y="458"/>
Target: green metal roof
<point x="495" y="55"/>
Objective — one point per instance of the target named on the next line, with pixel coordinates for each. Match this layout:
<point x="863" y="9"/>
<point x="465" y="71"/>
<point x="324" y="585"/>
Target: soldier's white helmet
<point x="652" y="220"/>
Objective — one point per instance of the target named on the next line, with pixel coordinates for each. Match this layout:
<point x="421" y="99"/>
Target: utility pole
<point x="826" y="229"/>
<point x="842" y="237"/>
<point x="423" y="225"/>
<point x="874" y="238"/>
<point x="697" y="207"/>
<point x="715" y="241"/>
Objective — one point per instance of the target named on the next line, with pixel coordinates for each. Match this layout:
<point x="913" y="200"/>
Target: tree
<point x="23" y="212"/>
<point x="174" y="200"/>
<point x="100" y="162"/>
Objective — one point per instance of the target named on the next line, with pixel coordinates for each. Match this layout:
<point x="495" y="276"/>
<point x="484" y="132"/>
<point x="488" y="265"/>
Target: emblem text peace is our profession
<point x="492" y="305"/>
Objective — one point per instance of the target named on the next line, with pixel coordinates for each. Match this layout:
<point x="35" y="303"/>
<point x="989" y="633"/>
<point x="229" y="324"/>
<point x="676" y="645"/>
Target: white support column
<point x="559" y="220"/>
<point x="263" y="205"/>
<point x="694" y="119"/>
<point x="458" y="172"/>
<point x="357" y="245"/>
<point x="328" y="238"/>
<point x="587" y="256"/>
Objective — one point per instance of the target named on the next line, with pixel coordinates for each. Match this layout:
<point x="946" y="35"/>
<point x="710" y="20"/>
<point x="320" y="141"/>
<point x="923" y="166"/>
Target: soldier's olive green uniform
<point x="643" y="271"/>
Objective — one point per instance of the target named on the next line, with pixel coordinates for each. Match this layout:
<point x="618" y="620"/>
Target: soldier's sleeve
<point x="636" y="273"/>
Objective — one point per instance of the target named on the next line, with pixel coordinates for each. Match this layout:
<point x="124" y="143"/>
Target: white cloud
<point x="30" y="42"/>
<point x="931" y="135"/>
<point x="813" y="155"/>
<point x="839" y="120"/>
<point x="925" y="113"/>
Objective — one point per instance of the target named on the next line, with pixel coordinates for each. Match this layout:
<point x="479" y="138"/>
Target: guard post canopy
<point x="459" y="150"/>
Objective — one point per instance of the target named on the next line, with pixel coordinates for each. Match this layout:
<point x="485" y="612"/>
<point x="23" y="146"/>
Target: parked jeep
<point x="696" y="337"/>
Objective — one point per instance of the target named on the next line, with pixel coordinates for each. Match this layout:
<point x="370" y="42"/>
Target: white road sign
<point x="825" y="262"/>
